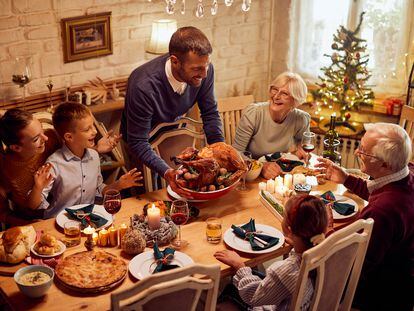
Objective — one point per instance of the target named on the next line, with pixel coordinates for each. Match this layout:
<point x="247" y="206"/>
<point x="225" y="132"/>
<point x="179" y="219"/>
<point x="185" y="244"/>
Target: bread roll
<point x="15" y="243"/>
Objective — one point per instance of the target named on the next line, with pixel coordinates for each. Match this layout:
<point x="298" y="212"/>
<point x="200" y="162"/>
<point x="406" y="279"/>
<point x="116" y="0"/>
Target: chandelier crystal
<point x="199" y="10"/>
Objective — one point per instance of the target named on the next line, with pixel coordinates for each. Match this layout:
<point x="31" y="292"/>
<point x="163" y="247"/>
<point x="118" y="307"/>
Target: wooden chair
<point x="169" y="139"/>
<point x="407" y="121"/>
<point x="337" y="260"/>
<point x="175" y="289"/>
<point x="230" y="110"/>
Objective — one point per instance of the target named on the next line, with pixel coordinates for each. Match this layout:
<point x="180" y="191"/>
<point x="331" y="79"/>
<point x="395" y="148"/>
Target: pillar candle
<point x="103" y="237"/>
<point x="89" y="231"/>
<point x="262" y="186"/>
<point x="113" y="236"/>
<point x="278" y="181"/>
<point x="95" y="238"/>
<point x="153" y="215"/>
<point x="270" y="186"/>
<point x="288" y="181"/>
<point x="122" y="230"/>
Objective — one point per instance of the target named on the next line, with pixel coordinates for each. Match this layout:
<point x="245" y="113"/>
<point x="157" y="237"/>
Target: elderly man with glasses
<point x="387" y="277"/>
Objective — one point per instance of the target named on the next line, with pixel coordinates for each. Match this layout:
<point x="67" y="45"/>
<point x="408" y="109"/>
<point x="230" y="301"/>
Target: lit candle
<point x="95" y="238"/>
<point x="262" y="186"/>
<point x="278" y="182"/>
<point x="122" y="230"/>
<point x="88" y="230"/>
<point x="154" y="217"/>
<point x="288" y="181"/>
<point x="270" y="186"/>
<point x="103" y="237"/>
<point x="113" y="236"/>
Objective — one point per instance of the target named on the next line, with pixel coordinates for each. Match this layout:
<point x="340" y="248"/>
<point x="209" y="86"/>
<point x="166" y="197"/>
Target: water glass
<point x="213" y="230"/>
<point x="72" y="231"/>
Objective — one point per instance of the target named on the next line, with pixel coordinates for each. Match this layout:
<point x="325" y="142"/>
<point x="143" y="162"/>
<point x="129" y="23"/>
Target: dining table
<point x="236" y="207"/>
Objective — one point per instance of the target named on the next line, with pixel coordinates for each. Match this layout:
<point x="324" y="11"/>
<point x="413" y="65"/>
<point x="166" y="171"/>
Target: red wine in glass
<point x="179" y="215"/>
<point x="179" y="218"/>
<point x="308" y="147"/>
<point x="112" y="201"/>
<point x="112" y="206"/>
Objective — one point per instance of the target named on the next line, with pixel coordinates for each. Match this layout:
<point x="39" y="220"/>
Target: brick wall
<point x="32" y="28"/>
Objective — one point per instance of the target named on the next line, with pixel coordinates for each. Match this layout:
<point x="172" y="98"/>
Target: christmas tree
<point x="344" y="80"/>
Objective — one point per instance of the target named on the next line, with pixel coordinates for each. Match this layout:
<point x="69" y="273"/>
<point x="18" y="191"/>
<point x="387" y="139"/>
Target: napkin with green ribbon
<point x="341" y="208"/>
<point x="163" y="259"/>
<point x="285" y="164"/>
<point x="86" y="217"/>
<point x="248" y="232"/>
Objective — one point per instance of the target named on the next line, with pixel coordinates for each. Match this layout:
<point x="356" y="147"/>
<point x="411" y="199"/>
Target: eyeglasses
<point x="275" y="90"/>
<point x="361" y="152"/>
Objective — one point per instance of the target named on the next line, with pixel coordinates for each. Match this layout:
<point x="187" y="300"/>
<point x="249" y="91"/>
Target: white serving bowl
<point x="252" y="174"/>
<point x="34" y="291"/>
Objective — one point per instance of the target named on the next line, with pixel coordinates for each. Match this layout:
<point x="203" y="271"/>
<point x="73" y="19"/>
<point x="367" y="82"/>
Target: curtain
<point x="387" y="27"/>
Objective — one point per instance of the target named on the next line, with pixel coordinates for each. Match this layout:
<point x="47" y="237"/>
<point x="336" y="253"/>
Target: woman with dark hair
<point x="304" y="225"/>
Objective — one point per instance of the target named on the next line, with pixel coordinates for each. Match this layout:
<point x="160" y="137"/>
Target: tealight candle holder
<point x="89" y="243"/>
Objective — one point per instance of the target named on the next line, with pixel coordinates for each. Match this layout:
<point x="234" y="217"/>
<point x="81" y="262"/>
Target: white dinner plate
<point x="244" y="246"/>
<point x="178" y="197"/>
<point x="142" y="265"/>
<point x="63" y="216"/>
<point x="62" y="249"/>
<point x="344" y="199"/>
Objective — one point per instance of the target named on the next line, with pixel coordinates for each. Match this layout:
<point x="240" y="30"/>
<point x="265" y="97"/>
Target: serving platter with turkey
<point x="211" y="172"/>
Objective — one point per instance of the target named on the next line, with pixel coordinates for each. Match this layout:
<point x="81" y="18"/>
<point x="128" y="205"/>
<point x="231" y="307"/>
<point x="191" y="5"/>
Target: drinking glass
<point x="308" y="144"/>
<point x="21" y="74"/>
<point x="72" y="231"/>
<point x="179" y="215"/>
<point x="247" y="158"/>
<point x="213" y="230"/>
<point x="112" y="202"/>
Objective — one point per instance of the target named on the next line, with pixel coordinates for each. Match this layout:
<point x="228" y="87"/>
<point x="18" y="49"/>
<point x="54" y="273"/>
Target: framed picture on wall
<point x="86" y="36"/>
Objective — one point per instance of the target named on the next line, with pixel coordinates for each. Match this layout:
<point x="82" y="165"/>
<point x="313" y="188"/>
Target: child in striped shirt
<point x="304" y="225"/>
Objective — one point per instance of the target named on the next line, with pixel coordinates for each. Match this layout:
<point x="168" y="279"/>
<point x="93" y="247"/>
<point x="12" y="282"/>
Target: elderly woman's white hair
<point x="393" y="145"/>
<point x="295" y="84"/>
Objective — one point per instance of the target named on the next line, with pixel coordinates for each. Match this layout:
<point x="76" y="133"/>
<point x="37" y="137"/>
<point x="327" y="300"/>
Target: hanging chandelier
<point x="172" y="5"/>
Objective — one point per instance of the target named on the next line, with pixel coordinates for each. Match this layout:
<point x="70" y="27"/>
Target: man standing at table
<point x="163" y="90"/>
<point x="387" y="277"/>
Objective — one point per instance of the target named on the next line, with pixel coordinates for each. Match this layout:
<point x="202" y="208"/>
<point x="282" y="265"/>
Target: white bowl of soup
<point x="34" y="281"/>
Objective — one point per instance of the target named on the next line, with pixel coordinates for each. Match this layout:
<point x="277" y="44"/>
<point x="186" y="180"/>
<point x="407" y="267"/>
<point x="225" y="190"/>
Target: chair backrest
<point x="230" y="110"/>
<point x="337" y="260"/>
<point x="175" y="289"/>
<point x="169" y="139"/>
<point x="407" y="121"/>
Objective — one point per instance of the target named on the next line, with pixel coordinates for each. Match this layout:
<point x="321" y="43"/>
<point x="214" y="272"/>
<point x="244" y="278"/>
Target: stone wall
<point x="31" y="28"/>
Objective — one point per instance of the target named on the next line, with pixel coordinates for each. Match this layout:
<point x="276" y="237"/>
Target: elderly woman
<point x="275" y="125"/>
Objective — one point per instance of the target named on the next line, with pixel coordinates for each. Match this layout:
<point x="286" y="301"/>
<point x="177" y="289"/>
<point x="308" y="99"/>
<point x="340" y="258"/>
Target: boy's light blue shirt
<point x="75" y="181"/>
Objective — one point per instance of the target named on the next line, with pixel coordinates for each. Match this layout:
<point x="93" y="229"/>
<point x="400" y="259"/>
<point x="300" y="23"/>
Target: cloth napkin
<point x="163" y="259"/>
<point x="341" y="208"/>
<point x="86" y="217"/>
<point x="248" y="232"/>
<point x="285" y="164"/>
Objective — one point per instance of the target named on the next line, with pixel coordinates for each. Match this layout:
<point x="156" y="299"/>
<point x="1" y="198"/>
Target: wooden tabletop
<point x="235" y="208"/>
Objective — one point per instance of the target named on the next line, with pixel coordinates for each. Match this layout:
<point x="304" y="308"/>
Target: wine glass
<point x="22" y="74"/>
<point x="247" y="158"/>
<point x="308" y="144"/>
<point x="112" y="202"/>
<point x="179" y="215"/>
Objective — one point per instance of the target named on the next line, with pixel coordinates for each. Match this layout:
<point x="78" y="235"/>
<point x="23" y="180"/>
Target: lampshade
<point x="162" y="31"/>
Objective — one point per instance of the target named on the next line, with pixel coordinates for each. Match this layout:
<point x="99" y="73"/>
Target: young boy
<point x="75" y="168"/>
